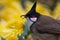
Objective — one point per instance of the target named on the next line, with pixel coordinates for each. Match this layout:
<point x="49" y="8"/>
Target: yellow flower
<point x="11" y="22"/>
<point x="11" y="37"/>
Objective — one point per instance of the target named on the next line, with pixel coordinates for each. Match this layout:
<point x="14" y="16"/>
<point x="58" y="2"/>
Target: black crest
<point x="34" y="7"/>
<point x="33" y="11"/>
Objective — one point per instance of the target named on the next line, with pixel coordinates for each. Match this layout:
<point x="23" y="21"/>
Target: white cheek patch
<point x="33" y="19"/>
<point x="29" y="21"/>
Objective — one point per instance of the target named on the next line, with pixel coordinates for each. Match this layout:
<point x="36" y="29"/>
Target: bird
<point x="42" y="27"/>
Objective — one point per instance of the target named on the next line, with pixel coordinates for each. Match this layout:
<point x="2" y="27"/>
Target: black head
<point x="32" y="15"/>
<point x="32" y="12"/>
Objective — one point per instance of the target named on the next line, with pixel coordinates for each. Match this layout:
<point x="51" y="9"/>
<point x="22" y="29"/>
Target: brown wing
<point x="46" y="24"/>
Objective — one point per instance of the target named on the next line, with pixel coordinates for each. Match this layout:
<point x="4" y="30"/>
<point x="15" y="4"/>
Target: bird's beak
<point x="23" y="16"/>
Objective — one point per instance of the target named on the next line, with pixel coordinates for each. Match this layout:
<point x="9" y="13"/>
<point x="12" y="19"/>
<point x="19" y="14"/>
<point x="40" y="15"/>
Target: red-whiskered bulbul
<point x="42" y="27"/>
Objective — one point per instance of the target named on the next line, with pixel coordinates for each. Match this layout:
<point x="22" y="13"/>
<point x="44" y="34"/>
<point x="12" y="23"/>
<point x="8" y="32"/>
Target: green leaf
<point x="25" y="29"/>
<point x="58" y="0"/>
<point x="52" y="7"/>
<point x="32" y="0"/>
<point x="20" y="37"/>
<point x="23" y="3"/>
<point x="2" y="38"/>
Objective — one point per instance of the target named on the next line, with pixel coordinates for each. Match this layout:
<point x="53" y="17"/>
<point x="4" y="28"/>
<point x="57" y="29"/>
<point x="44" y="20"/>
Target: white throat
<point x="29" y="22"/>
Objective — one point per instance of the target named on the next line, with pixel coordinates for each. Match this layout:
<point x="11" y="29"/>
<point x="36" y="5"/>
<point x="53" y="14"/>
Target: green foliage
<point x="25" y="34"/>
<point x="23" y="2"/>
<point x="52" y="7"/>
<point x="32" y="0"/>
<point x="2" y="38"/>
<point x="58" y="0"/>
<point x="20" y="37"/>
